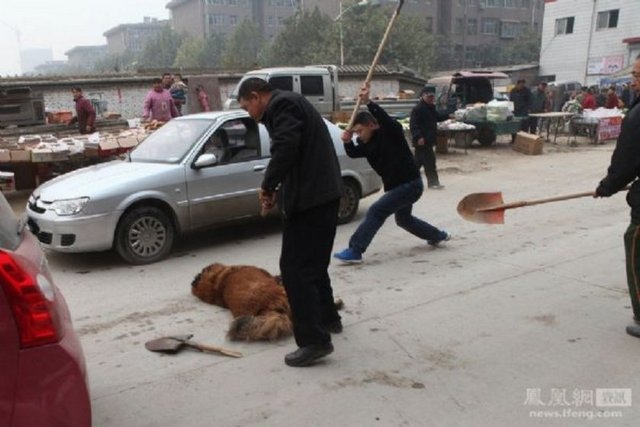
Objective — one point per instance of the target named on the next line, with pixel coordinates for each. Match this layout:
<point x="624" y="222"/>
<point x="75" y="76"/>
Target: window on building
<point x="311" y="85"/>
<point x="233" y="19"/>
<point x="470" y="54"/>
<point x="564" y="25"/>
<point x="526" y="4"/>
<point x="472" y="27"/>
<point x="495" y="3"/>
<point x="429" y="24"/>
<point x="458" y="26"/>
<point x="490" y="25"/>
<point x="232" y="2"/>
<point x="607" y="19"/>
<point x="270" y="21"/>
<point x="509" y="29"/>
<point x="510" y="3"/>
<point x="215" y="19"/>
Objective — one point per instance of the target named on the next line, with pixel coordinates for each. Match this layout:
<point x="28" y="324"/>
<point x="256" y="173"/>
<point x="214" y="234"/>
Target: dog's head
<point x="209" y="284"/>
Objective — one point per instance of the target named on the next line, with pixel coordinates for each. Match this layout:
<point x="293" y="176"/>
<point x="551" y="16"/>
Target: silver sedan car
<point x="196" y="171"/>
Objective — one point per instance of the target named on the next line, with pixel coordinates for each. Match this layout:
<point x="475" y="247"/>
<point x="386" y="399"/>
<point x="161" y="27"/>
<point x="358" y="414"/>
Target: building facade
<point x="468" y="24"/>
<point x="201" y="18"/>
<point x="83" y="58"/>
<point x="587" y="40"/>
<point x="133" y="37"/>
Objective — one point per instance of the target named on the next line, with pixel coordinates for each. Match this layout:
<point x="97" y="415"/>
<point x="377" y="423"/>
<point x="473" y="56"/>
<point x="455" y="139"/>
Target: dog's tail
<point x="270" y="326"/>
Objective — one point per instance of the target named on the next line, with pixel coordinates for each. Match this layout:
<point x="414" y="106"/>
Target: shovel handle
<point x="213" y="349"/>
<point x="375" y="61"/>
<point x="536" y="202"/>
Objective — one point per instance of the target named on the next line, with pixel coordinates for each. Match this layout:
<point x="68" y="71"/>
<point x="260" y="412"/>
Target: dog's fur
<point x="256" y="299"/>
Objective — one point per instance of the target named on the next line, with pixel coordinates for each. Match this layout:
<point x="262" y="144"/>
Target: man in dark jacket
<point x="520" y="95"/>
<point x="85" y="113"/>
<point x="381" y="140"/>
<point x="539" y="104"/>
<point x="304" y="175"/>
<point x="424" y="127"/>
<point x="625" y="168"/>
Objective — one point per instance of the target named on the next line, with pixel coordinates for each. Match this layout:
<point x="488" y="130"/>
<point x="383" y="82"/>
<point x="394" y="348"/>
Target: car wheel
<point x="144" y="235"/>
<point x="486" y="136"/>
<point x="349" y="202"/>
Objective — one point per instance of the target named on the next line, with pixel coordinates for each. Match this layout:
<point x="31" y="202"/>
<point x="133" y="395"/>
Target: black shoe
<point x="305" y="356"/>
<point x="334" y="327"/>
<point x="634" y="330"/>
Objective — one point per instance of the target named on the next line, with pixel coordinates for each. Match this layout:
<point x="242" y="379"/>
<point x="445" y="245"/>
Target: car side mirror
<point x="204" y="160"/>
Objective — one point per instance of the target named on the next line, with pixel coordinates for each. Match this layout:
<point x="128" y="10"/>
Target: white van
<point x="318" y="83"/>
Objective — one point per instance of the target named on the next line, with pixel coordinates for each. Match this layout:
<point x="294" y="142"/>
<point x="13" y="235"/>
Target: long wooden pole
<point x="375" y="60"/>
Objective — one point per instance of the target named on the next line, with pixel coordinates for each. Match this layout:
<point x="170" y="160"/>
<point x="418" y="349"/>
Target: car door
<point x="227" y="190"/>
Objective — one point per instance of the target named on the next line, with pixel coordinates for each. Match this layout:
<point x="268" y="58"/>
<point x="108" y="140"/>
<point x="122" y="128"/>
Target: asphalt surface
<point x="520" y="324"/>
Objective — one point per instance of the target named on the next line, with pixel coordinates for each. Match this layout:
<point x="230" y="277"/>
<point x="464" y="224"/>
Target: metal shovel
<point x="488" y="208"/>
<point x="174" y="344"/>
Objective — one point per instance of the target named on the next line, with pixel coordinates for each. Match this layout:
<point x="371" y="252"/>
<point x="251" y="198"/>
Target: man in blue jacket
<point x="381" y="140"/>
<point x="304" y="175"/>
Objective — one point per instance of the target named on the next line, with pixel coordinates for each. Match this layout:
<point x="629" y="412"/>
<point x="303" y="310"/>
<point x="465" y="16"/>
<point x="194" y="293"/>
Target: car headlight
<point x="69" y="207"/>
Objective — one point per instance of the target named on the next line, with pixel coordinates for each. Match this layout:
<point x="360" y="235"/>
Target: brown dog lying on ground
<point x="256" y="299"/>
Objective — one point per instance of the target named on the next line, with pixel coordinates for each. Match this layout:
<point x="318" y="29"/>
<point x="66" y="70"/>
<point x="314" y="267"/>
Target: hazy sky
<point x="64" y="24"/>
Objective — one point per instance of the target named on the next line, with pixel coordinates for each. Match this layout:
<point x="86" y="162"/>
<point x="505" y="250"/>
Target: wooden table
<point x="555" y="118"/>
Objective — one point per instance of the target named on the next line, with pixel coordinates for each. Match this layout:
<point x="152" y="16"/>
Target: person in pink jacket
<point x="158" y="104"/>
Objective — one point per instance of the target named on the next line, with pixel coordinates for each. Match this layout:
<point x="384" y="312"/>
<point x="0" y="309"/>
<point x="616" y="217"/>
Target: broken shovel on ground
<point x="174" y="344"/>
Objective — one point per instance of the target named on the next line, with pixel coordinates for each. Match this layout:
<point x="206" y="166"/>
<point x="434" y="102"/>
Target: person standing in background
<point x="178" y="92"/>
<point x="424" y="128"/>
<point x="158" y="104"/>
<point x="85" y="113"/>
<point x="520" y="95"/>
<point x="539" y="104"/>
<point x="203" y="98"/>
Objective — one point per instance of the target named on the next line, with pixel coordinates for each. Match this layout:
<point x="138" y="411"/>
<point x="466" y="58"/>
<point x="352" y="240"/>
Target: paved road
<point x="504" y="325"/>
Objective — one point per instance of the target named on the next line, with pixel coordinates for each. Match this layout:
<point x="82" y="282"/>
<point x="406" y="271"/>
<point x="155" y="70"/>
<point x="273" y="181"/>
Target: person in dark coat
<point x="303" y="177"/>
<point x="539" y="104"/>
<point x="624" y="169"/>
<point x="424" y="127"/>
<point x="520" y="95"/>
<point x="381" y="141"/>
<point x="85" y="113"/>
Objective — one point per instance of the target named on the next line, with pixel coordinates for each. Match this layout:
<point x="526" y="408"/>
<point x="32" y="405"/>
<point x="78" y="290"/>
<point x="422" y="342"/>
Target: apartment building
<point x="200" y="18"/>
<point x="133" y="37"/>
<point x="586" y="40"/>
<point x="469" y="24"/>
<point x="85" y="57"/>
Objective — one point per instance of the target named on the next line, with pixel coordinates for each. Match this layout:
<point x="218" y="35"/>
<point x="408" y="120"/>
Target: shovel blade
<point x="170" y="345"/>
<point x="479" y="207"/>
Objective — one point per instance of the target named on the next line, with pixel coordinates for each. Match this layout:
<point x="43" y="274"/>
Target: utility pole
<point x="464" y="35"/>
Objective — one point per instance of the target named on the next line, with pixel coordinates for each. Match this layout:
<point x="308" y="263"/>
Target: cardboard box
<point x="5" y="156"/>
<point x="528" y="143"/>
<point x="7" y="182"/>
<point x="20" y="155"/>
<point x="48" y="155"/>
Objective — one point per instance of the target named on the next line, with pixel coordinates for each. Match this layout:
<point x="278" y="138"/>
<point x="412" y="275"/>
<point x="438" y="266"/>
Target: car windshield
<point x="171" y="142"/>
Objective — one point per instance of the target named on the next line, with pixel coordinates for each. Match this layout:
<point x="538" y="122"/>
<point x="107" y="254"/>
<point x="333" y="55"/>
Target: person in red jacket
<point x="589" y="100"/>
<point x="85" y="113"/>
<point x="612" y="99"/>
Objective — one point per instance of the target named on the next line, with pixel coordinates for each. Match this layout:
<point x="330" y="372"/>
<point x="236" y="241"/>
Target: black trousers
<point x="307" y="241"/>
<point x="425" y="157"/>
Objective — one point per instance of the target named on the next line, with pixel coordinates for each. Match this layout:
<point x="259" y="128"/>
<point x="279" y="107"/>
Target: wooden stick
<point x="375" y="61"/>
<point x="535" y="202"/>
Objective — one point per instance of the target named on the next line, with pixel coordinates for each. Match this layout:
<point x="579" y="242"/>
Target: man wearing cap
<point x="424" y="126"/>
